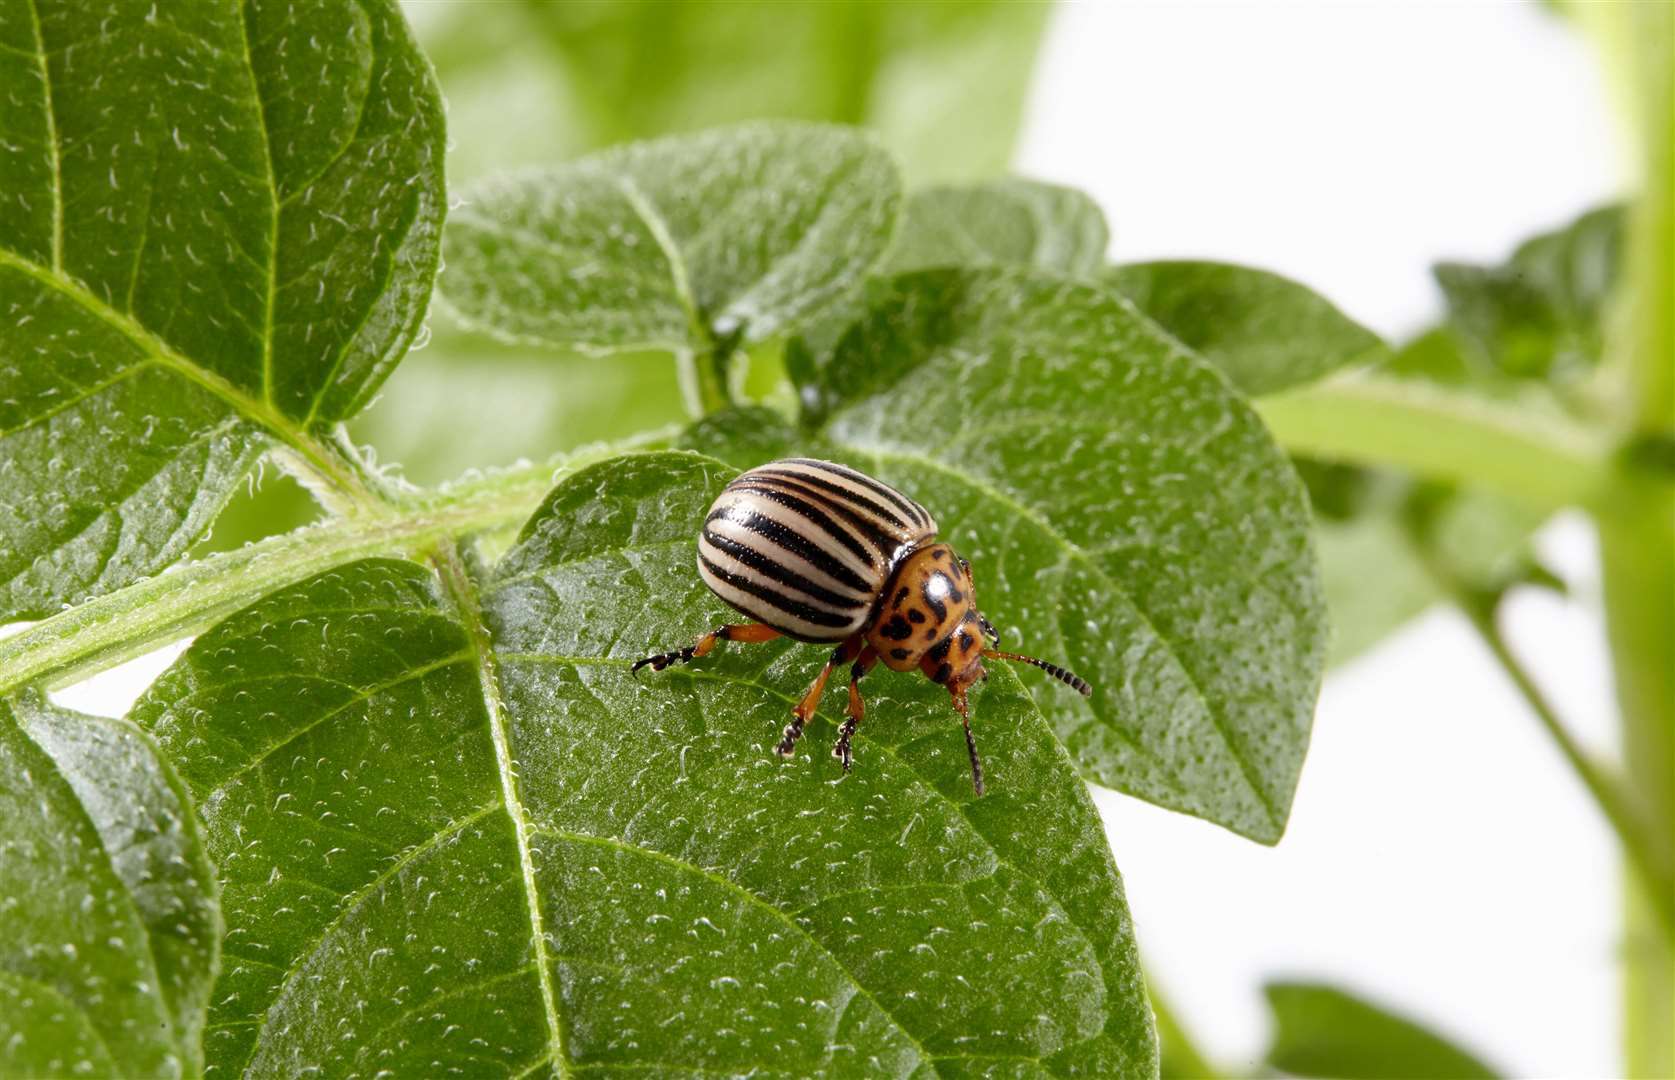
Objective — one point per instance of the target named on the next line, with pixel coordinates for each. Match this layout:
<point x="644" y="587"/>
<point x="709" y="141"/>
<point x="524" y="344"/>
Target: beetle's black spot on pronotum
<point x="943" y="673"/>
<point x="896" y="629"/>
<point x="965" y="641"/>
<point x="956" y="595"/>
<point x="916" y="616"/>
<point x="901" y="594"/>
<point x="939" y="651"/>
<point x="939" y="554"/>
<point x="899" y="653"/>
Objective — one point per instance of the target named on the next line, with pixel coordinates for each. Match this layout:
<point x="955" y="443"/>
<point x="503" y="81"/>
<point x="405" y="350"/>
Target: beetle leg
<point x="804" y="709"/>
<point x="970" y="741"/>
<point x="857" y="708"/>
<point x="741" y="632"/>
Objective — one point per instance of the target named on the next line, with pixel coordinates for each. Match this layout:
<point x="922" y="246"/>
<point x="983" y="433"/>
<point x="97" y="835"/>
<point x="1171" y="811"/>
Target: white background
<point x="1440" y="857"/>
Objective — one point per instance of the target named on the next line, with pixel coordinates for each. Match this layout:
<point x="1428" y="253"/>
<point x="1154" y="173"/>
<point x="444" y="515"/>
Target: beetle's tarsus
<point x="788" y="740"/>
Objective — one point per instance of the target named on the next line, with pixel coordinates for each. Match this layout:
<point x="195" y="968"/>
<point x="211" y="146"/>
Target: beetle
<point x="819" y="552"/>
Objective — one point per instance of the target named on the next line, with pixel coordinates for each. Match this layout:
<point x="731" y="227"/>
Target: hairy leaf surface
<point x="1011" y="222"/>
<point x="1322" y="1031"/>
<point x="1124" y="511"/>
<point x="1265" y="331"/>
<point x="673" y="243"/>
<point x="107" y="898"/>
<point x="219" y="230"/>
<point x="1008" y="222"/>
<point x="457" y="833"/>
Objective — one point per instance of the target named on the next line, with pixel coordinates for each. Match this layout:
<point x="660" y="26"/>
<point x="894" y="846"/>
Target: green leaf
<point x="942" y="84"/>
<point x="1374" y="578"/>
<point x="1124" y="511"/>
<point x="498" y="403"/>
<point x="1322" y="1031"/>
<point x="1383" y="537"/>
<point x="112" y="930"/>
<point x="194" y="268"/>
<point x="1011" y="222"/>
<point x="456" y="832"/>
<point x="1541" y="313"/>
<point x="1265" y="331"/>
<point x="674" y="244"/>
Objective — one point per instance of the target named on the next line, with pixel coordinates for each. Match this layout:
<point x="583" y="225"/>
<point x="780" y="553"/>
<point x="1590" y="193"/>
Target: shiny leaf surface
<point x="1124" y="511"/>
<point x="674" y="243"/>
<point x="456" y="832"/>
<point x="192" y="268"/>
<point x="108" y="901"/>
<point x="1010" y="222"/>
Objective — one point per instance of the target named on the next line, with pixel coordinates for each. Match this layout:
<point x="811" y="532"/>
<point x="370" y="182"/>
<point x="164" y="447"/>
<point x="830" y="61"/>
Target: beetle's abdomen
<point x="806" y="546"/>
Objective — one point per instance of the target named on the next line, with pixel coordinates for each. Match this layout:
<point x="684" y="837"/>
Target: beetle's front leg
<point x="960" y="707"/>
<point x="857" y="708"/>
<point x="803" y="711"/>
<point x="741" y="632"/>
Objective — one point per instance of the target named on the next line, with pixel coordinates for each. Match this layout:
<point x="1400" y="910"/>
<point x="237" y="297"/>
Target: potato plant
<point x="401" y="807"/>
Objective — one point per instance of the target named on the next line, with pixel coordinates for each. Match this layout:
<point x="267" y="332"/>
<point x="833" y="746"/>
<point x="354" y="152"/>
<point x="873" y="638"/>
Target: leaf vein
<point x="1247" y="769"/>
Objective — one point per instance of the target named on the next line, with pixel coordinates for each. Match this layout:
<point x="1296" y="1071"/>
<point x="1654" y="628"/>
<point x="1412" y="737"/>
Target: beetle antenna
<point x="1068" y="678"/>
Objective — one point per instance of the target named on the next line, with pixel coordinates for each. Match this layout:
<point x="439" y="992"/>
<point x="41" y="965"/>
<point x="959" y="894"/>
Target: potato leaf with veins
<point x="218" y="230"/>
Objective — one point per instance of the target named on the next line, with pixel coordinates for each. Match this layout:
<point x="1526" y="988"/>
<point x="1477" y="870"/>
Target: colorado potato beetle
<point x="819" y="552"/>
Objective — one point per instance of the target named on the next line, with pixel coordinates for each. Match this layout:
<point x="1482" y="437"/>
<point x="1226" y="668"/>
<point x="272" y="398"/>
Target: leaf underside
<point x="219" y="231"/>
<point x="560" y="868"/>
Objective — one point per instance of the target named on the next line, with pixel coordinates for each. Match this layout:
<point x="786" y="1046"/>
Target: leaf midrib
<point x="646" y="211"/>
<point x="461" y="589"/>
<point x="155" y="350"/>
<point x="889" y="751"/>
<point x="52" y="135"/>
<point x="1073" y="551"/>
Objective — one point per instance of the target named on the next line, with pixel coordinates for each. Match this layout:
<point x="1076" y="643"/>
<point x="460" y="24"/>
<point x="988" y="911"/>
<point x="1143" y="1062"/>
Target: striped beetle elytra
<point x="819" y="552"/>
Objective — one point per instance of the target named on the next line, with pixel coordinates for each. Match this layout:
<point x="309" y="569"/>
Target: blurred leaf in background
<point x="942" y="85"/>
<point x="1528" y="330"/>
<point x="1541" y="312"/>
<point x="1322" y="1031"/>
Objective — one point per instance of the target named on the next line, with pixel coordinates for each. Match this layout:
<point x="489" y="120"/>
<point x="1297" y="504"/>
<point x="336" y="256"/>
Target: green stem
<point x="1177" y="1052"/>
<point x="1637" y="555"/>
<point x="1607" y="791"/>
<point x="1547" y="462"/>
<point x="706" y="376"/>
<point x="131" y="621"/>
<point x="1637" y="528"/>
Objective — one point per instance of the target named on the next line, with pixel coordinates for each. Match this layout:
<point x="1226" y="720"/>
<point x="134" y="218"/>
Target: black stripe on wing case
<point x="782" y="536"/>
<point x="869" y="526"/>
<point x="908" y="506"/>
<point x="816" y="517"/>
<point x="779" y="572"/>
<point x="855" y="498"/>
<point x="775" y="599"/>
